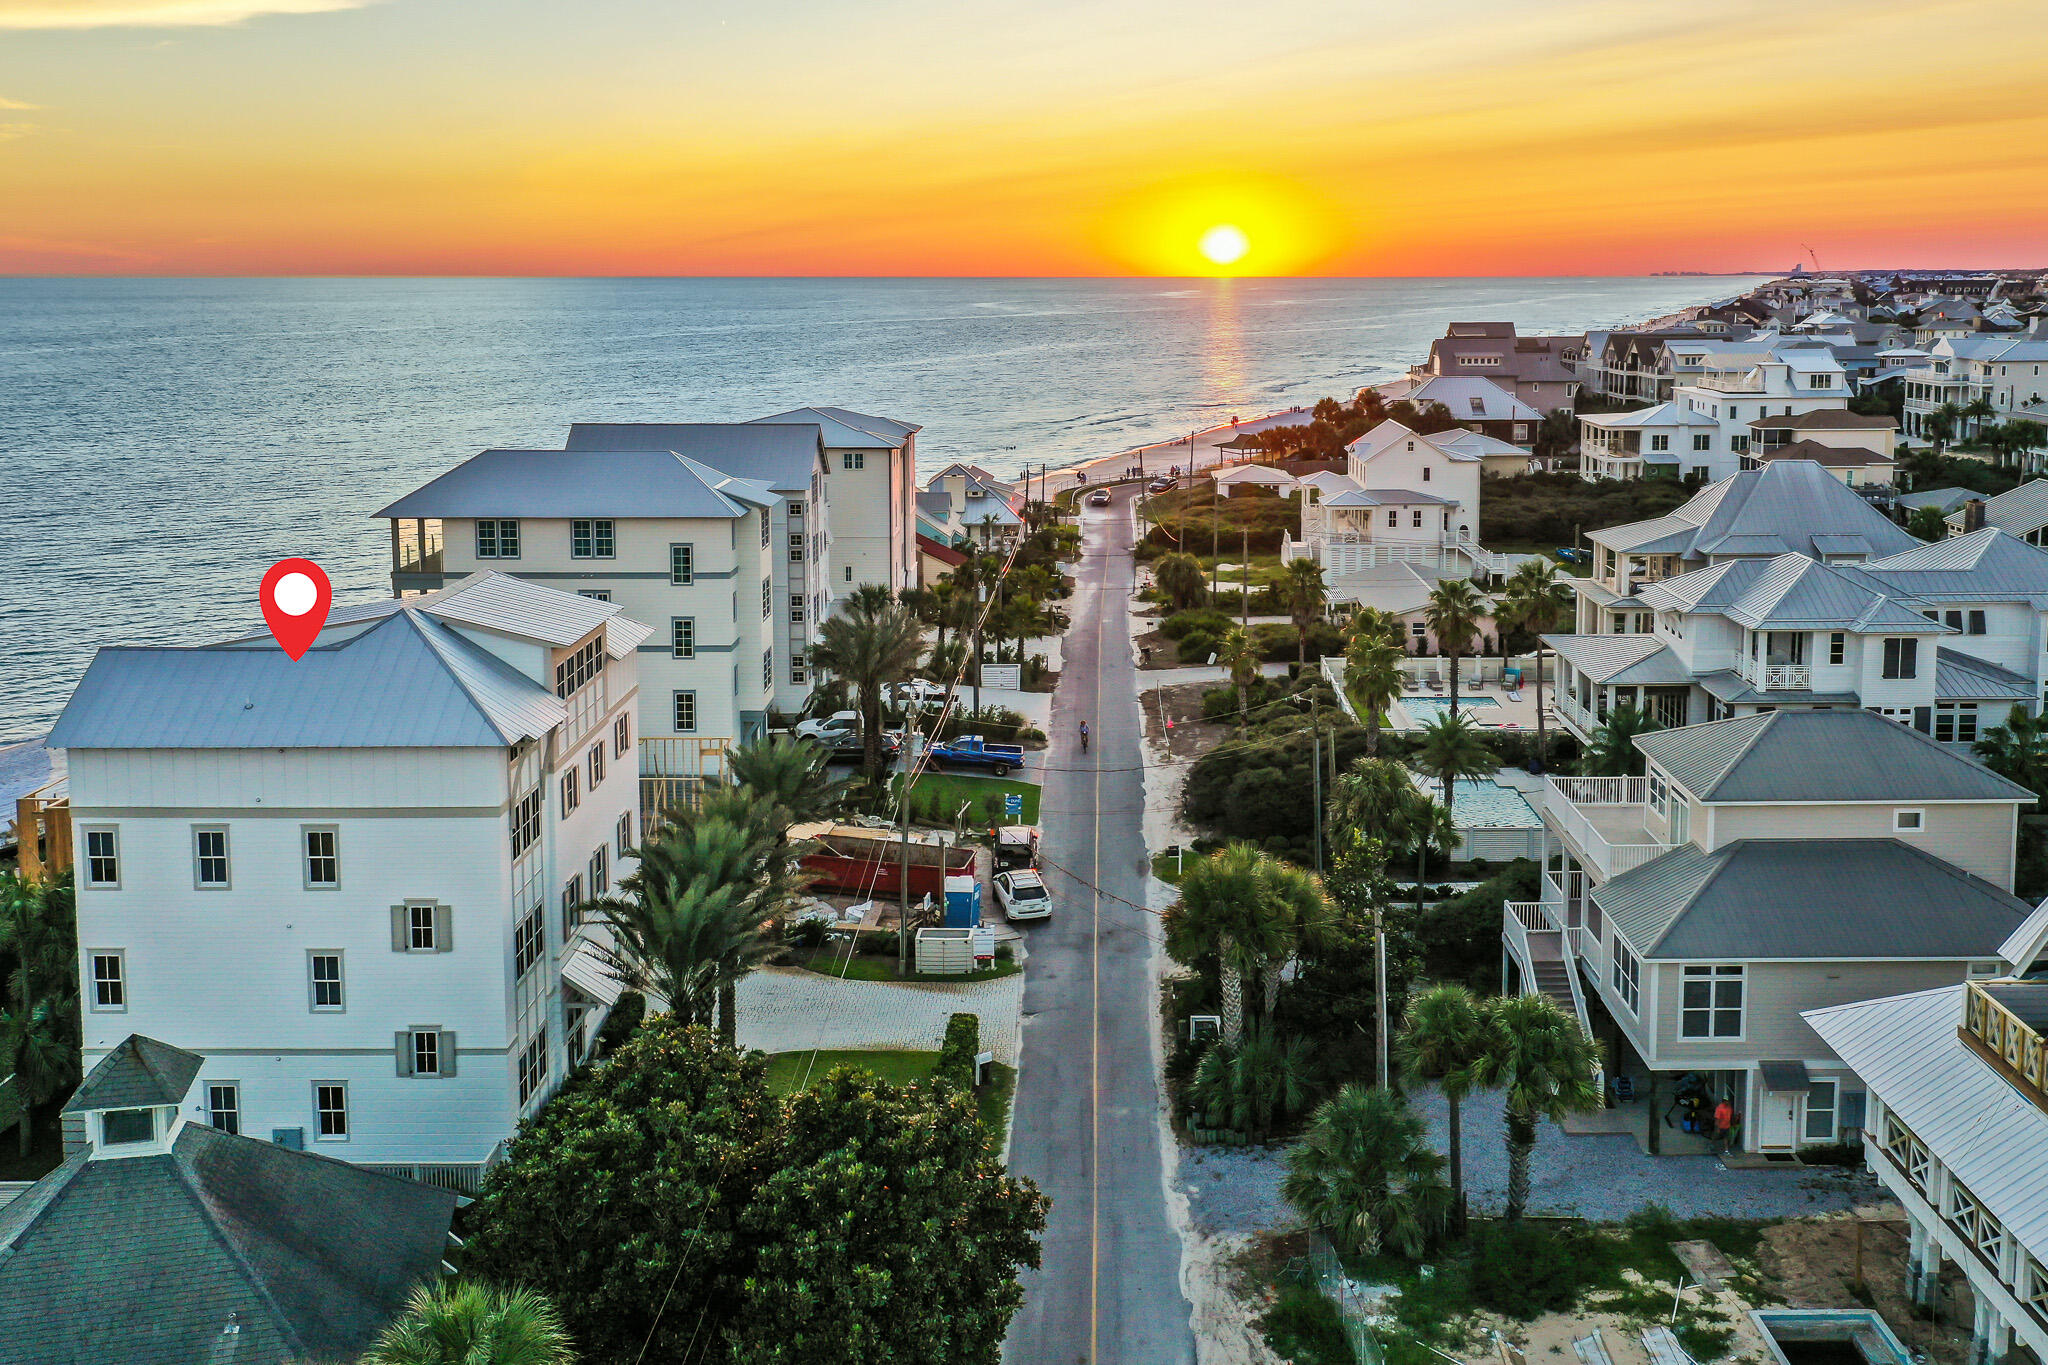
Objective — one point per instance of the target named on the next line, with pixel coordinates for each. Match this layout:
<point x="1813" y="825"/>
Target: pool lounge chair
<point x="1435" y="680"/>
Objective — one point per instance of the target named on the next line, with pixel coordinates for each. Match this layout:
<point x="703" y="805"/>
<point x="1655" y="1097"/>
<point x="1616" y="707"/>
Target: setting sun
<point x="1225" y="244"/>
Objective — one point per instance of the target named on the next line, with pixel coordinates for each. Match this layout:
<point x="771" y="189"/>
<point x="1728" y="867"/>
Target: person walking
<point x="1724" y="1123"/>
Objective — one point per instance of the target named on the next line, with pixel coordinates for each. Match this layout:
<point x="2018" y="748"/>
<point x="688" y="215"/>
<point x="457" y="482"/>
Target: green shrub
<point x="1833" y="1154"/>
<point x="1303" y="1327"/>
<point x="1195" y="647"/>
<point x="626" y="1013"/>
<point x="1523" y="1270"/>
<point x="957" y="1053"/>
<point x="1181" y="622"/>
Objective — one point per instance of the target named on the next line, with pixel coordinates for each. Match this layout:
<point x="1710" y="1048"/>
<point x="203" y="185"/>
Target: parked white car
<point x="922" y="690"/>
<point x="1022" y="894"/>
<point x="818" y="726"/>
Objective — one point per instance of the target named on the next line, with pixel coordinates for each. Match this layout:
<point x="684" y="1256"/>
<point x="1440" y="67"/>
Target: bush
<point x="957" y="1053"/>
<point x="1303" y="1327"/>
<point x="1549" y="509"/>
<point x="1523" y="1270"/>
<point x="626" y="1013"/>
<point x="1833" y="1154"/>
<point x="1195" y="647"/>
<point x="1181" y="622"/>
<point x="1460" y="938"/>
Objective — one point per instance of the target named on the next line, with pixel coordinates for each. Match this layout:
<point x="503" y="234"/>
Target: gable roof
<point x="504" y="605"/>
<point x="408" y="682"/>
<point x="140" y="1073"/>
<point x="582" y="483"/>
<point x="1661" y="415"/>
<point x="1845" y="755"/>
<point x="1459" y="393"/>
<point x="779" y="454"/>
<point x="2018" y="510"/>
<point x="1833" y="457"/>
<point x="1383" y="437"/>
<point x="1477" y="443"/>
<point x="1775" y="510"/>
<point x="1828" y="419"/>
<point x="846" y="430"/>
<point x="1642" y="660"/>
<point x="1761" y="899"/>
<point x="147" y="1260"/>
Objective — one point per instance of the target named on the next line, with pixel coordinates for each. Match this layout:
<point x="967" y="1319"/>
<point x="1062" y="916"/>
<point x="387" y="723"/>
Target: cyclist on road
<point x="1084" y="736"/>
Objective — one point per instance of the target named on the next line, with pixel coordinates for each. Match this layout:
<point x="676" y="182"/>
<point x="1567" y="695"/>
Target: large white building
<point x="347" y="881"/>
<point x="869" y="485"/>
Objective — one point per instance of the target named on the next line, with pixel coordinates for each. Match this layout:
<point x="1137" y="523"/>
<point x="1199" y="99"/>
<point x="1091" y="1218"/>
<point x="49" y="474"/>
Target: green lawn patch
<point x="1163" y="865"/>
<point x="831" y="960"/>
<point x="992" y="1101"/>
<point x="944" y="791"/>
<point x="1303" y="1328"/>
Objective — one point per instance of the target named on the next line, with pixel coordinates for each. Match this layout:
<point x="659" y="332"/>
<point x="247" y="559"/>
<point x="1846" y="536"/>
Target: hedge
<point x="957" y="1053"/>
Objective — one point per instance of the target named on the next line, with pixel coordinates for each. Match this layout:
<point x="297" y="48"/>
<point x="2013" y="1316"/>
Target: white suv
<point x="1022" y="894"/>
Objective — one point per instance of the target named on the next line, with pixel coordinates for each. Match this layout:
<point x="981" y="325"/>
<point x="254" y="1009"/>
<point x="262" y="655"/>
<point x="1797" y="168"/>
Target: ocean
<point x="162" y="442"/>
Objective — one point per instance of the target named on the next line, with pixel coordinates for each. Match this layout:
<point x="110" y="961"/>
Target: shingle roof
<point x="779" y="454"/>
<point x="582" y="483"/>
<point x="845" y="430"/>
<point x="1992" y="1138"/>
<point x="1761" y="899"/>
<point x="1830" y="419"/>
<point x="409" y="682"/>
<point x="140" y="1073"/>
<point x="1819" y="756"/>
<point x="146" y="1260"/>
<point x="1833" y="457"/>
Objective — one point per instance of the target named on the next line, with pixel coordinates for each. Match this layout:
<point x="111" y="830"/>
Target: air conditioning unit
<point x="1202" y="1026"/>
<point x="293" y="1138"/>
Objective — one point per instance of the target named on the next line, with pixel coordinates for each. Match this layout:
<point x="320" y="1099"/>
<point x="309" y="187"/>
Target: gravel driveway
<point x="1604" y="1177"/>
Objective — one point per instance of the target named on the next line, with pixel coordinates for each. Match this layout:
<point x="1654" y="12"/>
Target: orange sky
<point x="1065" y="137"/>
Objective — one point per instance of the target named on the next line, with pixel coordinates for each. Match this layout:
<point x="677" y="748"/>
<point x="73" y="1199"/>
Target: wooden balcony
<point x="2006" y="1023"/>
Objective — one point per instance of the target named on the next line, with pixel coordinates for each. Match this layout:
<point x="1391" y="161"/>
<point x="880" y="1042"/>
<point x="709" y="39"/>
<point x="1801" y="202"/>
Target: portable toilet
<point x="963" y="903"/>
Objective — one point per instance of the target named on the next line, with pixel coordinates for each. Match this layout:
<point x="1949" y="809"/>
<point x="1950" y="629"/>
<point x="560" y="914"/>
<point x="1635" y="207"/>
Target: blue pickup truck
<point x="972" y="751"/>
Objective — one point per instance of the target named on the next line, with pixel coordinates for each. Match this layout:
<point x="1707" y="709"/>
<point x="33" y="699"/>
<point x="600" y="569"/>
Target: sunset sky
<point x="1064" y="137"/>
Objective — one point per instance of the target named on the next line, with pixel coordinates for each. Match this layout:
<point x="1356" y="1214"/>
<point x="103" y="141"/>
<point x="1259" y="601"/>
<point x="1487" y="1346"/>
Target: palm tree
<point x="1453" y="616"/>
<point x="874" y="642"/>
<point x="1450" y="749"/>
<point x="1303" y="590"/>
<point x="1536" y="600"/>
<point x="1237" y="654"/>
<point x="39" y="1022"/>
<point x="1545" y="1063"/>
<point x="1180" y="577"/>
<point x="1443" y="1033"/>
<point x="1376" y="621"/>
<point x="686" y="924"/>
<point x="1255" y="1083"/>
<point x="791" y="780"/>
<point x="1613" y="752"/>
<point x="1236" y="906"/>
<point x="1364" y="1175"/>
<point x="1941" y="424"/>
<point x="1372" y="674"/>
<point x="2017" y="750"/>
<point x="467" y="1323"/>
<point x="1978" y="411"/>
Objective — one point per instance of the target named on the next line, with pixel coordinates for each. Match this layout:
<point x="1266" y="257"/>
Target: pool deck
<point x="1508" y="711"/>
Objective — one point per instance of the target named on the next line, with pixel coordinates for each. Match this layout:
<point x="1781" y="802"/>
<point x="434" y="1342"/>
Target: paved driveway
<point x="788" y="1009"/>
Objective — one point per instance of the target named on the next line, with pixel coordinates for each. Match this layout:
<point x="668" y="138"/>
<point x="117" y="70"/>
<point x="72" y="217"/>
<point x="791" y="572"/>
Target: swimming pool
<point x="1426" y="709"/>
<point x="1480" y="804"/>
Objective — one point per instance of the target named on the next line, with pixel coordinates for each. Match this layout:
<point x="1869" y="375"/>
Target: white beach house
<point x="348" y="881"/>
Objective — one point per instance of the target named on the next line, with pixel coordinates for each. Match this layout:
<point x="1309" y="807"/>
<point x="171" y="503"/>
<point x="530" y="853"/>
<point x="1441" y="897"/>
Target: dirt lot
<point x="1191" y="736"/>
<point x="1811" y="1263"/>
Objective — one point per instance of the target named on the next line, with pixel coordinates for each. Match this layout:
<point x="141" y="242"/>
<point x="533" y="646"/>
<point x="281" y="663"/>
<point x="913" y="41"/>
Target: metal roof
<point x="1734" y="689"/>
<point x="1986" y="563"/>
<point x="1456" y="392"/>
<point x="1831" y="899"/>
<point x="1382" y="437"/>
<point x="2017" y="510"/>
<point x="1641" y="660"/>
<point x="846" y="430"/>
<point x="1796" y="593"/>
<point x="141" y="1072"/>
<point x="1662" y="415"/>
<point x="1774" y="510"/>
<point x="505" y="605"/>
<point x="583" y="483"/>
<point x="1991" y="1137"/>
<point x="1964" y="677"/>
<point x="408" y="682"/>
<point x="1849" y="755"/>
<point x="781" y="455"/>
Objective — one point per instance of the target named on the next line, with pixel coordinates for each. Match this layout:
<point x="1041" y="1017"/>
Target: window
<point x="1393" y="517"/>
<point x="102" y="858"/>
<point x="849" y="573"/>
<point x="685" y="712"/>
<point x="600" y="871"/>
<point x="572" y="902"/>
<point x="330" y="1103"/>
<point x="1710" y="1004"/>
<point x="591" y="539"/>
<point x="1417" y="523"/>
<point x="497" y="539"/>
<point x="533" y="1065"/>
<point x="569" y="797"/>
<point x="422" y="927"/>
<point x="595" y="594"/>
<point x="526" y="941"/>
<point x="426" y="1052"/>
<point x="1820" y="1111"/>
<point x="622" y="737"/>
<point x="1660" y="441"/>
<point x="1909" y="821"/>
<point x="1953" y="620"/>
<point x="767" y="596"/>
<point x="796" y="547"/>
<point x="1838" y="645"/>
<point x="1977" y="622"/>
<point x="1425" y="473"/>
<point x="596" y="764"/>
<point x="764" y="528"/>
<point x="323" y="859"/>
<point x="323" y="979"/>
<point x="796" y="509"/>
<point x="210" y="859"/>
<point x="796" y="608"/>
<point x="1521" y="431"/>
<point x="1955" y="722"/>
<point x="853" y="459"/>
<point x="109" y="982"/>
<point x="682" y="565"/>
<point x="797" y="671"/>
<point x="224" y="1105"/>
<point x="1702" y="441"/>
<point x="1628" y="972"/>
<point x="579" y="668"/>
<point x="682" y="637"/>
<point x="624" y="842"/>
<point x="1901" y="658"/>
<point x="526" y="822"/>
<point x="122" y="1127"/>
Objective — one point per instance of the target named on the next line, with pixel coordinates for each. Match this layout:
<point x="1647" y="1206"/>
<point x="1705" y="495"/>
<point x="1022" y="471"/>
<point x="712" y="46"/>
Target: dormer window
<point x="124" y="1127"/>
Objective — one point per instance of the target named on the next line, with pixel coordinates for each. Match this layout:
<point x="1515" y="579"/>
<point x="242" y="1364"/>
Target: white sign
<point x="1003" y="677"/>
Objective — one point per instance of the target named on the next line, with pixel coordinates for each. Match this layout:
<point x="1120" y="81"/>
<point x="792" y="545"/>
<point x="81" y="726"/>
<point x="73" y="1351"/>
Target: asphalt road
<point x="1086" y="1126"/>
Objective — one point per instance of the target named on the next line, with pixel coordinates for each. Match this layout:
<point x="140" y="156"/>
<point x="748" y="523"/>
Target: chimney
<point x="1973" y="515"/>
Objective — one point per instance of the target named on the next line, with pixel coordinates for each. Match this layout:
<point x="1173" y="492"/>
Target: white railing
<point x="1603" y="791"/>
<point x="1515" y="928"/>
<point x="1777" y="677"/>
<point x="1584" y="944"/>
<point x="1597" y="851"/>
<point x="1481" y="557"/>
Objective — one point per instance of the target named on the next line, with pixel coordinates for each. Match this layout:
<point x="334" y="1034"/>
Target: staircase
<point x="1553" y="978"/>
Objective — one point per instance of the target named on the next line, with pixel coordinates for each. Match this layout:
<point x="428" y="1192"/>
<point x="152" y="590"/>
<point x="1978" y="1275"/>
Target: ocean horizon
<point x="164" y="440"/>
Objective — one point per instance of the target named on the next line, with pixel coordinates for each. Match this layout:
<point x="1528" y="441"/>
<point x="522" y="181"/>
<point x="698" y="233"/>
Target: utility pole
<point x="980" y="599"/>
<point x="910" y="738"/>
<point x="1244" y="574"/>
<point x="1379" y="933"/>
<point x="1315" y="764"/>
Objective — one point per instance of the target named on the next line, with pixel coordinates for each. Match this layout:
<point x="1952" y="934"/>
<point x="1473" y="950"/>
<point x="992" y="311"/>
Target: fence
<point x="1354" y="1305"/>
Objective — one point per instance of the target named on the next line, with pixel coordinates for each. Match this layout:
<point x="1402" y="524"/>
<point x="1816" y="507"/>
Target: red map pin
<point x="296" y="596"/>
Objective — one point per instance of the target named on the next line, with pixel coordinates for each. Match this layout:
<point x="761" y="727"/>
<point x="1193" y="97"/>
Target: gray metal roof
<point x="1759" y="899"/>
<point x="583" y="483"/>
<point x="410" y="682"/>
<point x="780" y="454"/>
<point x="1796" y="593"/>
<point x="499" y="603"/>
<point x="846" y="430"/>
<point x="1775" y="510"/>
<point x="1819" y="756"/>
<point x="146" y="1260"/>
<point x="2018" y="510"/>
<point x="1731" y="687"/>
<point x="1991" y="1137"/>
<point x="1640" y="660"/>
<point x="1964" y="677"/>
<point x="1986" y="565"/>
<point x="140" y="1073"/>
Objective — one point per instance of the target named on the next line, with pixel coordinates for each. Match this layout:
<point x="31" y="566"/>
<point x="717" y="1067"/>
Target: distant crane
<point x="1815" y="259"/>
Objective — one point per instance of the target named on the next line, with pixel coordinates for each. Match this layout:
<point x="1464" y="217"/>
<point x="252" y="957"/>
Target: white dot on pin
<point x="295" y="594"/>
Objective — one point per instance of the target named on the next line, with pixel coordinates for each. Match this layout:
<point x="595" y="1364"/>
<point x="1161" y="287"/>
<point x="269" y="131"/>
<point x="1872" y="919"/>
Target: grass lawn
<point x="786" y="1069"/>
<point x="950" y="789"/>
<point x="1164" y="869"/>
<point x="832" y="961"/>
